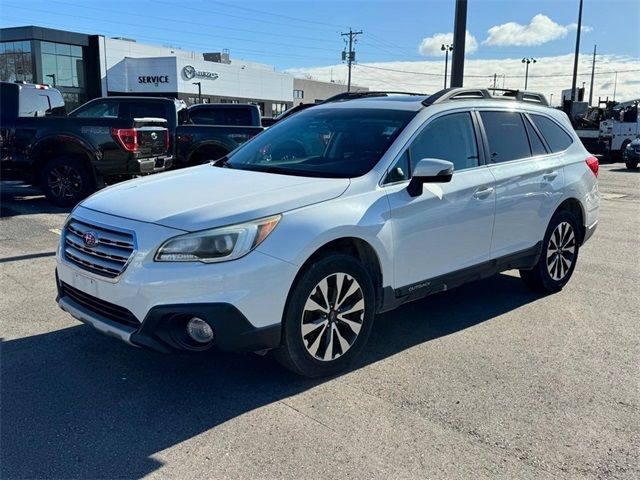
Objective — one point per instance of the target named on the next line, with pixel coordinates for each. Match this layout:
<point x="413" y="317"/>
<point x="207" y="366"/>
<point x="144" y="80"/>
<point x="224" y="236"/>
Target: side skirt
<point x="393" y="298"/>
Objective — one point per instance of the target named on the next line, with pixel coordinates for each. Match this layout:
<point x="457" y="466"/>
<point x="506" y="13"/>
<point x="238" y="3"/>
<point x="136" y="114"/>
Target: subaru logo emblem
<point x="90" y="239"/>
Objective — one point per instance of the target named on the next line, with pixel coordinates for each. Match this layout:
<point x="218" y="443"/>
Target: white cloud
<point x="549" y="75"/>
<point x="432" y="46"/>
<point x="541" y="29"/>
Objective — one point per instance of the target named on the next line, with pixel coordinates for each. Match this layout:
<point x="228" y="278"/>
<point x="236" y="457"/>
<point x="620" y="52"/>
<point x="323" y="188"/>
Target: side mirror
<point x="429" y="170"/>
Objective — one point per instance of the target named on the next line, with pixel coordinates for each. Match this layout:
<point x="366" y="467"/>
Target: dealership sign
<point x="153" y="79"/>
<point x="189" y="72"/>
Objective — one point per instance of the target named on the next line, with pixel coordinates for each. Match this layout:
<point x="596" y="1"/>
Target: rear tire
<point x="559" y="255"/>
<point x="66" y="180"/>
<point x="328" y="317"/>
<point x="631" y="164"/>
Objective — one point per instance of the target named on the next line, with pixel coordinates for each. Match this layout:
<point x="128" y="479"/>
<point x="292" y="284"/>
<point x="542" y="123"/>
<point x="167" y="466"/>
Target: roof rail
<point x="483" y="93"/>
<point x="341" y="97"/>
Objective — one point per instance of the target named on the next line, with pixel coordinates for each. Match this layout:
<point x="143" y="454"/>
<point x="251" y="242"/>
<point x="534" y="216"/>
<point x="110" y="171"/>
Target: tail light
<point x="127" y="138"/>
<point x="592" y="163"/>
<point x="166" y="139"/>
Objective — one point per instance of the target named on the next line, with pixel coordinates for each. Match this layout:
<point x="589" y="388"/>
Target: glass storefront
<point x="62" y="64"/>
<point x="16" y="61"/>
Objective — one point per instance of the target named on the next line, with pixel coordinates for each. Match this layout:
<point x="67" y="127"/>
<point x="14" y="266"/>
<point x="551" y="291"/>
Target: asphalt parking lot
<point x="486" y="381"/>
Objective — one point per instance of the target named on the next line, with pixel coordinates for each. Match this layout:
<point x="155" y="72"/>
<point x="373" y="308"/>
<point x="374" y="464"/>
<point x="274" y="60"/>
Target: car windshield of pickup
<point x="323" y="142"/>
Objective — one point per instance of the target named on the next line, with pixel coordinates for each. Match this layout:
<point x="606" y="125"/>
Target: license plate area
<point x="85" y="284"/>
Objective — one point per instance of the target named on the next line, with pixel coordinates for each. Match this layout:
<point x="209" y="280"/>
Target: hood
<point x="205" y="196"/>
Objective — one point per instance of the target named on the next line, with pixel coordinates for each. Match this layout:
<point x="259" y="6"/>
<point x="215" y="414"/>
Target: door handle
<point x="483" y="193"/>
<point x="550" y="175"/>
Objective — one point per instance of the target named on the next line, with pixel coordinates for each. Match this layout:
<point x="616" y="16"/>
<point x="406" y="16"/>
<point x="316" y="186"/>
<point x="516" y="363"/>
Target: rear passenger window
<point x="557" y="139"/>
<point x="537" y="147"/>
<point x="506" y="135"/>
<point x="147" y="110"/>
<point x="99" y="110"/>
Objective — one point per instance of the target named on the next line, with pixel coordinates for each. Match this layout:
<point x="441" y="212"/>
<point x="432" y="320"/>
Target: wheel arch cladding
<point x="52" y="148"/>
<point x="355" y="247"/>
<point x="574" y="207"/>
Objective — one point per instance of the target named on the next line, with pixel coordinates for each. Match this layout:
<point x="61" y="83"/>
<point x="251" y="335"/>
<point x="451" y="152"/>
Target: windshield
<point x="322" y="142"/>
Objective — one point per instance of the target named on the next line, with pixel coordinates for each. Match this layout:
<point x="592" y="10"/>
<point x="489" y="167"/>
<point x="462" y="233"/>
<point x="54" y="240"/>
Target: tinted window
<point x="400" y="169"/>
<point x="537" y="147"/>
<point x="556" y="137"/>
<point x="449" y="138"/>
<point x="98" y="110"/>
<point x="222" y="116"/>
<point x="506" y="135"/>
<point x="147" y="110"/>
<point x="323" y="142"/>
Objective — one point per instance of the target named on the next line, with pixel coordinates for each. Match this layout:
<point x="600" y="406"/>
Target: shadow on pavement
<point x="76" y="404"/>
<point x="625" y="170"/>
<point x="17" y="198"/>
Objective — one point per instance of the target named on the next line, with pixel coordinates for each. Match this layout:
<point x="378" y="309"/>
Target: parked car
<point x="632" y="154"/>
<point x="69" y="158"/>
<point x="297" y="239"/>
<point x="198" y="134"/>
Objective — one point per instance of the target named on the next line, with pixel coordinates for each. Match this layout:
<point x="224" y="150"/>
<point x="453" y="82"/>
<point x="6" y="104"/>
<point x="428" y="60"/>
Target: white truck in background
<point x="618" y="131"/>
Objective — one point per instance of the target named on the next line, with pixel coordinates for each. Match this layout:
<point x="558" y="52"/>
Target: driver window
<point x="451" y="138"/>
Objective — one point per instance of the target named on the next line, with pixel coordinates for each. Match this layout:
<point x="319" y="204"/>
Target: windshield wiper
<point x="222" y="162"/>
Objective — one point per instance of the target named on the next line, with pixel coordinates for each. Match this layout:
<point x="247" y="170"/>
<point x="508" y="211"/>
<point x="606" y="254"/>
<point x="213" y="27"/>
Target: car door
<point x="528" y="181"/>
<point x="448" y="227"/>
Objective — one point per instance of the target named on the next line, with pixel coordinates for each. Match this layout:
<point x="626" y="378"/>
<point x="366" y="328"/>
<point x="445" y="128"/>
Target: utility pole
<point x="593" y="71"/>
<point x="446" y="49"/>
<point x="459" y="38"/>
<point x="350" y="56"/>
<point x="575" y="58"/>
<point x="495" y="79"/>
<point x="615" y="87"/>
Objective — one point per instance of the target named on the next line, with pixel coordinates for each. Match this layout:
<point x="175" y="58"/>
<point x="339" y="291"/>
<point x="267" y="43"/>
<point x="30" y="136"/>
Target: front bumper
<point x="163" y="329"/>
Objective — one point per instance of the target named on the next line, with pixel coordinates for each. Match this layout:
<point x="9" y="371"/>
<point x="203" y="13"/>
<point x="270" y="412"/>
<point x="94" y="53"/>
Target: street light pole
<point x="527" y="61"/>
<point x="446" y="49"/>
<point x="199" y="84"/>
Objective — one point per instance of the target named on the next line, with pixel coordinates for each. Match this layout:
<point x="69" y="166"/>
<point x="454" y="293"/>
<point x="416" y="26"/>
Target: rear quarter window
<point x="506" y="136"/>
<point x="557" y="139"/>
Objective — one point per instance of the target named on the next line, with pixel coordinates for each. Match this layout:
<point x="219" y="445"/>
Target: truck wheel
<point x="559" y="255"/>
<point x="328" y="317"/>
<point x="66" y="180"/>
<point x="631" y="164"/>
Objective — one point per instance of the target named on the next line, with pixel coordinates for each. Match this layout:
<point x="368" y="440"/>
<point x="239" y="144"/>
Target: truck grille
<point x="97" y="249"/>
<point x="105" y="309"/>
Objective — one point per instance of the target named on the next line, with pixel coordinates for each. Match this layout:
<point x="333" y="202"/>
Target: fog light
<point x="199" y="330"/>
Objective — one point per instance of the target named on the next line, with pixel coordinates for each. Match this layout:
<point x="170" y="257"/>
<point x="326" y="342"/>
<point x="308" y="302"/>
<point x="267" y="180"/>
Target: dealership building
<point x="85" y="66"/>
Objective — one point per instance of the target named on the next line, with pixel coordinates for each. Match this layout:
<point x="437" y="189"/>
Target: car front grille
<point x="108" y="310"/>
<point x="107" y="256"/>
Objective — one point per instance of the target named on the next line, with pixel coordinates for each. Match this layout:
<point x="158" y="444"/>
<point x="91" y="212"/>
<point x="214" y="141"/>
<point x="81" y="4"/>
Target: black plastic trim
<point x="233" y="332"/>
<point x="393" y="298"/>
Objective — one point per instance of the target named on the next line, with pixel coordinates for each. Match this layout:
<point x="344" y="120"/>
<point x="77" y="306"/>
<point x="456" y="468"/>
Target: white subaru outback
<point x="296" y="240"/>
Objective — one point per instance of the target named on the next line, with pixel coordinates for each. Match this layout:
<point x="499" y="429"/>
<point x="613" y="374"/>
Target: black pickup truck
<point x="69" y="158"/>
<point x="197" y="134"/>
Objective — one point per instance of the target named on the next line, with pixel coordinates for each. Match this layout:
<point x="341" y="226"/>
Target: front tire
<point x="328" y="317"/>
<point x="66" y="180"/>
<point x="559" y="255"/>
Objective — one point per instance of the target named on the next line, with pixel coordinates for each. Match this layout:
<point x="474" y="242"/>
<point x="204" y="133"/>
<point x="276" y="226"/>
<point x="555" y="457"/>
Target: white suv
<point x="296" y="240"/>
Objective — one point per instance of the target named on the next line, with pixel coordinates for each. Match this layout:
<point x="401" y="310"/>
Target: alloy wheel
<point x="561" y="251"/>
<point x="332" y="316"/>
<point x="64" y="182"/>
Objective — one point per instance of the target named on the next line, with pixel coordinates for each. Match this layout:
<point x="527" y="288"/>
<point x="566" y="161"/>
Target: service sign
<point x="153" y="79"/>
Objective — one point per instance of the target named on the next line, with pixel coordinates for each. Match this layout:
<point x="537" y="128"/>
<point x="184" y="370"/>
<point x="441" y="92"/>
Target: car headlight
<point x="218" y="244"/>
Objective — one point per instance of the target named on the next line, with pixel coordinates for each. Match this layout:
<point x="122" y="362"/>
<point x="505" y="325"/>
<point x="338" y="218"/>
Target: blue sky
<point x="303" y="33"/>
